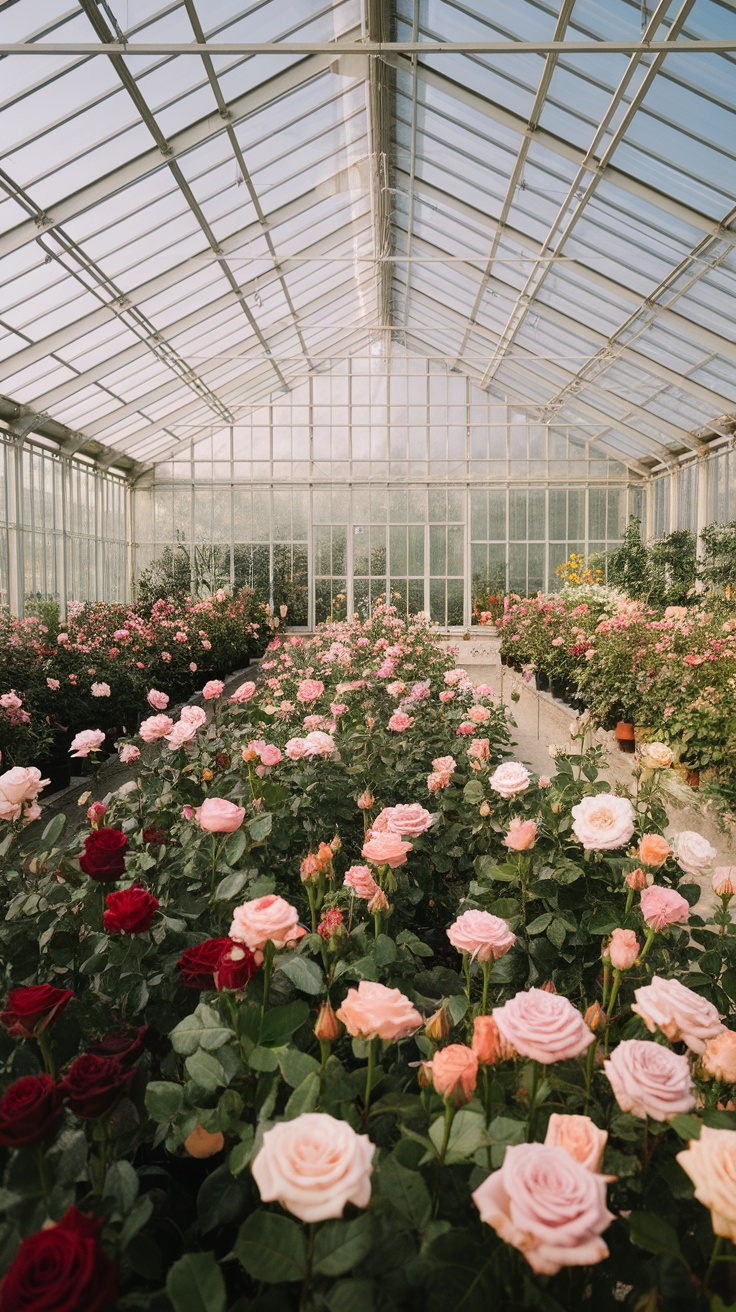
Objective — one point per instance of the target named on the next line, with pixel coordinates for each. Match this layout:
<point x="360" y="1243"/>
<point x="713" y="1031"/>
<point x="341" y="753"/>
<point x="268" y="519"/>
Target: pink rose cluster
<point x="443" y="768"/>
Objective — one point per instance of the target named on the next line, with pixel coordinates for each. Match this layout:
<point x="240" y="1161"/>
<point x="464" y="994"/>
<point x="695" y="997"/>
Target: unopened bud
<point x="548" y="987"/>
<point x="636" y="879"/>
<point x="424" y="1075"/>
<point x="488" y="1045"/>
<point x="366" y="800"/>
<point x="207" y="776"/>
<point x="327" y="1027"/>
<point x="485" y="808"/>
<point x="595" y="1017"/>
<point x="200" y="1143"/>
<point x="437" y="1027"/>
<point x="336" y="845"/>
<point x="222" y="760"/>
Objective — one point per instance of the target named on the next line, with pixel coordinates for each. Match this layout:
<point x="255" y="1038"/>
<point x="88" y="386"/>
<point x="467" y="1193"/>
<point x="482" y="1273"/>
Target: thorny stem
<point x="369" y="1076"/>
<point x="449" y="1117"/>
<point x="532" y="1101"/>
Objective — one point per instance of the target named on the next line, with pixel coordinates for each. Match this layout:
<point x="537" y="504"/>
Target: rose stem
<point x="532" y="1100"/>
<point x="486" y="978"/>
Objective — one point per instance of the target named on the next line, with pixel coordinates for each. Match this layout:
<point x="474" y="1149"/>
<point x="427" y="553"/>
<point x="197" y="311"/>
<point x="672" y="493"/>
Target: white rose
<point x="656" y="756"/>
<point x="693" y="853"/>
<point x="710" y="1161"/>
<point x="313" y="1166"/>
<point x="603" y="822"/>
<point x="682" y="1015"/>
<point x="509" y="779"/>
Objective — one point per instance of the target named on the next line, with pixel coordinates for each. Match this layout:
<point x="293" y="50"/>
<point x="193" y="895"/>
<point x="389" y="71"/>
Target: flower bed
<point x="97" y="668"/>
<point x="339" y="1009"/>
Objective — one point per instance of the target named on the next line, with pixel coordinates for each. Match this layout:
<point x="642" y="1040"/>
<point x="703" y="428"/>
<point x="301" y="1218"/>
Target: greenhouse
<point x="367" y="655"/>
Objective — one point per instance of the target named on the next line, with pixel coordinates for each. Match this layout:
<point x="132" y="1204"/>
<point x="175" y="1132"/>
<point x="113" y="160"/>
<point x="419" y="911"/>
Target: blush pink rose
<point x="400" y="722"/>
<point x="373" y="1011"/>
<point x="509" y="779"/>
<point x="263" y="920"/>
<point x="444" y="765"/>
<point x="543" y="1026"/>
<point x="100" y="690"/>
<point x="662" y="907"/>
<point x="682" y="1015"/>
<point x="270" y="755"/>
<point x="21" y="784"/>
<point x="479" y="714"/>
<point x="309" y="690"/>
<point x="480" y="749"/>
<point x="693" y="853"/>
<point x="447" y="695"/>
<point x="386" y="849"/>
<point x="89" y="740"/>
<point x="622" y="949"/>
<point x="213" y="689"/>
<point x="543" y="1202"/>
<point x="603" y="822"/>
<point x="650" y="1080"/>
<point x="580" y="1137"/>
<point x="194" y="715"/>
<point x="710" y="1161"/>
<point x="407" y="820"/>
<point x="155" y="727"/>
<point x="361" y="881"/>
<point x="183" y="732"/>
<point x="158" y="700"/>
<point x="313" y="1166"/>
<point x="318" y="743"/>
<point x="244" y="692"/>
<point x="218" y="816"/>
<point x="482" y="935"/>
<point x="129" y="753"/>
<point x="296" y="748"/>
<point x="522" y="835"/>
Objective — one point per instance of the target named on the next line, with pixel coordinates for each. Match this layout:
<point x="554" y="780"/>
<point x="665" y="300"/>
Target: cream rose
<point x="580" y="1137"/>
<point x="313" y="1166"/>
<point x="547" y="1205"/>
<point x="482" y="935"/>
<point x="543" y="1026"/>
<point x="649" y="1080"/>
<point x="318" y="743"/>
<point x="263" y="920"/>
<point x="509" y="779"/>
<point x="21" y="784"/>
<point x="656" y="756"/>
<point x="682" y="1015"/>
<point x="603" y="822"/>
<point x="710" y="1161"/>
<point x="719" y="1057"/>
<point x="373" y="1011"/>
<point x="693" y="853"/>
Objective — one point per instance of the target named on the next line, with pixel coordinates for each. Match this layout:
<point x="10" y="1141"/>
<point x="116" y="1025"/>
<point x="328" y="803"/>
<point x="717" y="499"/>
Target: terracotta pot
<point x="693" y="778"/>
<point x="624" y="734"/>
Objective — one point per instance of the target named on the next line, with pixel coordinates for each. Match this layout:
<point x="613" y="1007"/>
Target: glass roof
<point x="183" y="235"/>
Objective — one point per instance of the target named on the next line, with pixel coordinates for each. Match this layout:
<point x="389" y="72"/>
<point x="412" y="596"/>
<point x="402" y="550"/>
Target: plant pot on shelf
<point x="624" y="734"/>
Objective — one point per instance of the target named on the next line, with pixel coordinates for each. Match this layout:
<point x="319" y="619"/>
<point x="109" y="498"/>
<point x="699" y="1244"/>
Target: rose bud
<point x="235" y="967"/>
<point x="437" y="1027"/>
<point x="487" y="1044"/>
<point x="61" y="1267"/>
<point x="595" y="1017"/>
<point x="222" y="760"/>
<point x="336" y="845"/>
<point x="103" y="858"/>
<point x="636" y="879"/>
<point x="484" y="809"/>
<point x="129" y="911"/>
<point x="28" y="1011"/>
<point x="200" y="1143"/>
<point x="93" y="1086"/>
<point x="327" y="1026"/>
<point x="207" y="776"/>
<point x="719" y="1057"/>
<point x="455" y="1074"/>
<point x="724" y="881"/>
<point x="96" y="814"/>
<point x="424" y="1075"/>
<point x="154" y="835"/>
<point x="622" y="949"/>
<point x="366" y="800"/>
<point x="29" y="1110"/>
<point x="548" y="987"/>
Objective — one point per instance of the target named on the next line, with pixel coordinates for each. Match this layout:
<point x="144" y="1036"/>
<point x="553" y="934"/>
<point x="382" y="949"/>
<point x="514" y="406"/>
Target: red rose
<point x="235" y="967"/>
<point x="29" y="1010"/>
<point x="197" y="965"/>
<point x="62" y="1269"/>
<point x="154" y="835"/>
<point x="94" y="1085"/>
<point x="28" y="1110"/>
<point x="104" y="855"/>
<point x="130" y="911"/>
<point x="126" y="1046"/>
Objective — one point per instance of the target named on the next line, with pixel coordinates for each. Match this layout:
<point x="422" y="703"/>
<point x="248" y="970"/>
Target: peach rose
<point x="407" y="820"/>
<point x="488" y="1045"/>
<point x="509" y="779"/>
<point x="682" y="1015"/>
<point x="710" y="1161"/>
<point x="650" y="1080"/>
<point x="218" y="816"/>
<point x="723" y="881"/>
<point x="373" y="1011"/>
<point x="213" y="689"/>
<point x="444" y="765"/>
<point x="361" y="881"/>
<point x="309" y="690"/>
<point x="693" y="853"/>
<point x="637" y="879"/>
<point x="244" y="692"/>
<point x="482" y="935"/>
<point x="622" y="949"/>
<point x="543" y="1202"/>
<point x="479" y="714"/>
<point x="155" y="727"/>
<point x="313" y="1166"/>
<point x="201" y="1144"/>
<point x="386" y="849"/>
<point x="580" y="1137"/>
<point x="603" y="822"/>
<point x="662" y="907"/>
<point x="522" y="835"/>
<point x="654" y="850"/>
<point x="656" y="756"/>
<point x="719" y="1057"/>
<point x="89" y="740"/>
<point x="269" y="919"/>
<point x="543" y="1026"/>
<point x="158" y="700"/>
<point x="455" y="1074"/>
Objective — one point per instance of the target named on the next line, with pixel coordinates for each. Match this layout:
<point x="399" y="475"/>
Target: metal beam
<point x="69" y="440"/>
<point x="378" y="25"/>
<point x="131" y="49"/>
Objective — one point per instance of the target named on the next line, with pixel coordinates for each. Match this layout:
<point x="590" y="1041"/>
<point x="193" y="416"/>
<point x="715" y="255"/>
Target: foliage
<point x="718" y="567"/>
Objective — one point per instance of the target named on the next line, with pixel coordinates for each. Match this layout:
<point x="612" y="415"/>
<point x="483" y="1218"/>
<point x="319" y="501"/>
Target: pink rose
<point x="218" y="816"/>
<point x="454" y="1072"/>
<point x="580" y="1137"/>
<point x="193" y="667"/>
<point x="21" y="784"/>
<point x="270" y="755"/>
<point x="100" y="690"/>
<point x="682" y="1015"/>
<point x="481" y="935"/>
<point x="129" y="753"/>
<point x="436" y="782"/>
<point x="386" y="849"/>
<point x="444" y="765"/>
<point x="244" y="692"/>
<point x="543" y="1026"/>
<point x="155" y="727"/>
<point x="213" y="689"/>
<point x="188" y="813"/>
<point x="269" y="919"/>
<point x="313" y="1166"/>
<point x="543" y="1202"/>
<point x="522" y="835"/>
<point x="622" y="949"/>
<point x="319" y="744"/>
<point x="361" y="881"/>
<point x="480" y="749"/>
<point x="650" y="1080"/>
<point x="400" y="722"/>
<point x="309" y="690"/>
<point x="194" y="715"/>
<point x="710" y="1161"/>
<point x="89" y="740"/>
<point x="509" y="779"/>
<point x="662" y="907"/>
<point x="603" y="822"/>
<point x="374" y="1011"/>
<point x="447" y="695"/>
<point x="296" y="748"/>
<point x="183" y="732"/>
<point x="53" y="684"/>
<point x="158" y="700"/>
<point x="479" y="714"/>
<point x="408" y="821"/>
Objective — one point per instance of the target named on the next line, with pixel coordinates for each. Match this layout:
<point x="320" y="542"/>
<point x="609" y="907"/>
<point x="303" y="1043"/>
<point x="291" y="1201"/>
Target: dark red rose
<point x="94" y="1085"/>
<point x="222" y="761"/>
<point x="154" y="835"/>
<point x="104" y="855"/>
<point x="197" y="965"/>
<point x="235" y="967"/>
<point x="125" y="1045"/>
<point x="29" y="1010"/>
<point x="62" y="1269"/>
<point x="28" y="1110"/>
<point x="130" y="911"/>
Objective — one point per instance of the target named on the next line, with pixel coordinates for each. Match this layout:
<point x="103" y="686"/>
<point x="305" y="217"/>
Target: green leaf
<point x="231" y="885"/>
<point x="468" y="1133"/>
<point x="384" y="950"/>
<point x="121" y="1184"/>
<point x="539" y="925"/>
<point x="652" y="1233"/>
<point x="304" y="1098"/>
<point x="163" y="1100"/>
<point x="271" y="1248"/>
<point x="196" y="1284"/>
<point x="406" y="1191"/>
<point x="260" y="827"/>
<point x="242" y="1152"/>
<point x="279" y="1023"/>
<point x="263" y="1059"/>
<point x="556" y="932"/>
<point x="295" y="1066"/>
<point x="303" y="973"/>
<point x="340" y="1246"/>
<point x="473" y="792"/>
<point x="688" y="1127"/>
<point x="221" y="1199"/>
<point x="53" y="830"/>
<point x="234" y="847"/>
<point x="205" y="1070"/>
